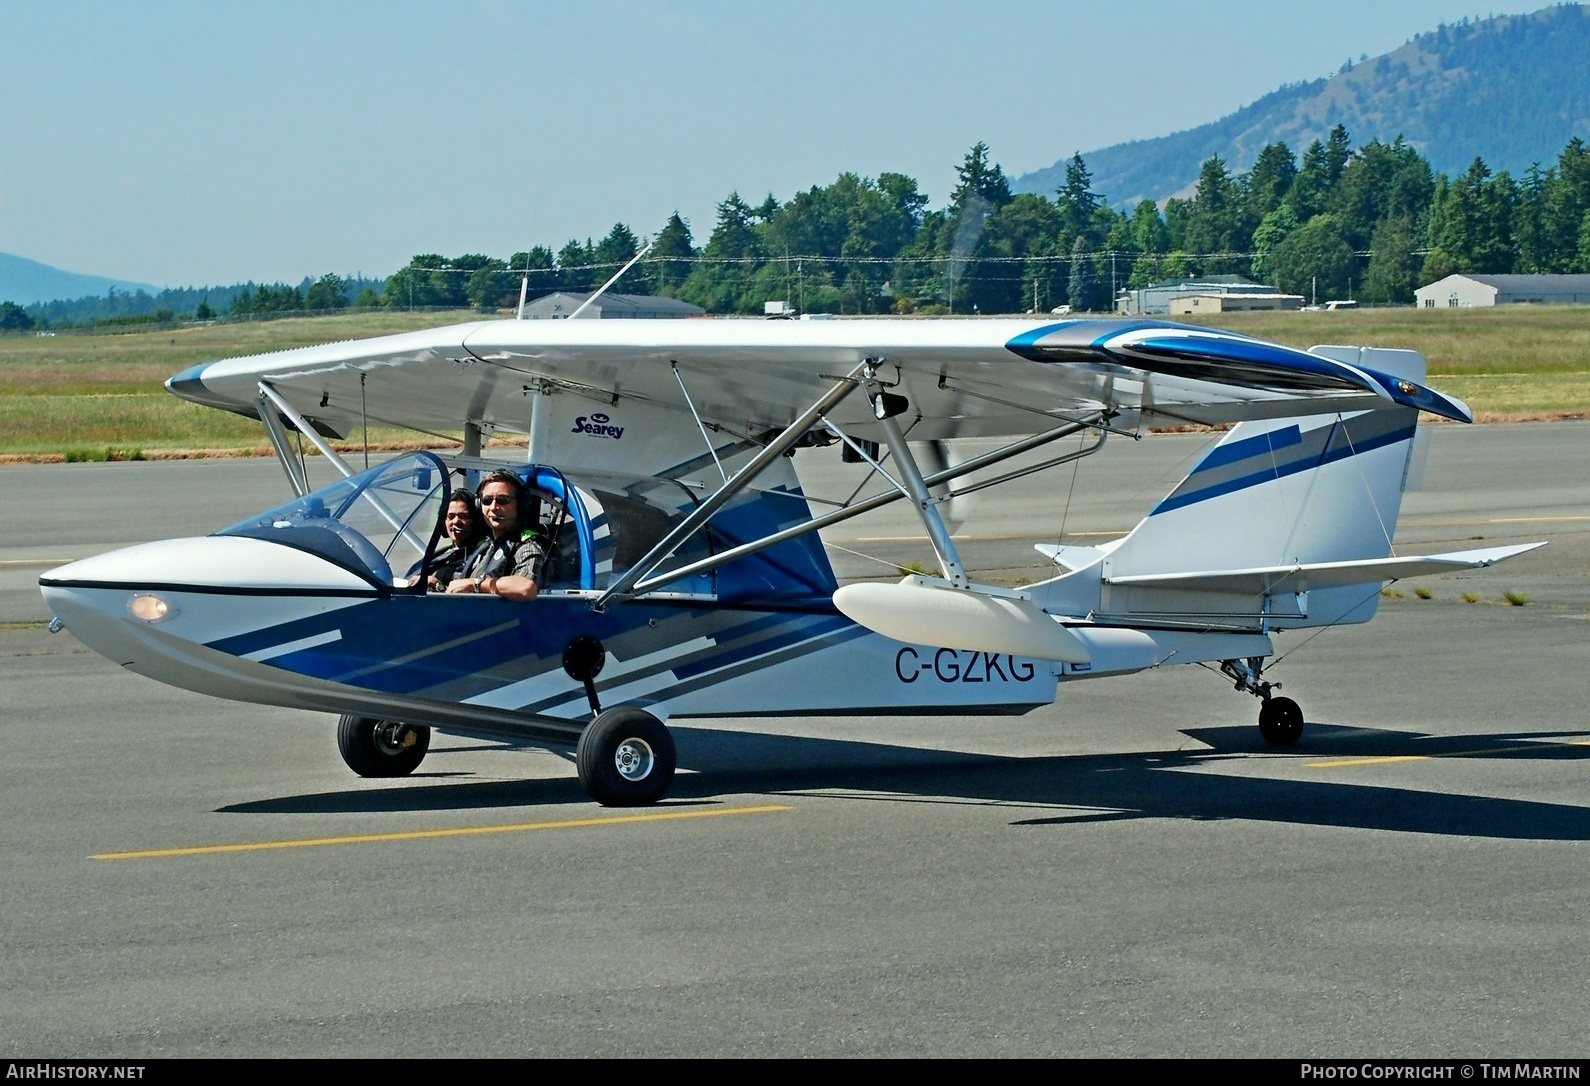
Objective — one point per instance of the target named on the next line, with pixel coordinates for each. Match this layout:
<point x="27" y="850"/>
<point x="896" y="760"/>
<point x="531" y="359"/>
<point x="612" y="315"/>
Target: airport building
<point x="1470" y="290"/>
<point x="1232" y="302"/>
<point x="1218" y="293"/>
<point x="563" y="303"/>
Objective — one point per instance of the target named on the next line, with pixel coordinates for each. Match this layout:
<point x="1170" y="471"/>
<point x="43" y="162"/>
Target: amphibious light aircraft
<point x="685" y="576"/>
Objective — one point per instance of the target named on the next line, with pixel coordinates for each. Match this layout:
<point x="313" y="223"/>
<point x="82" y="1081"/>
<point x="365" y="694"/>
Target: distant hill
<point x="1512" y="90"/>
<point x="27" y="282"/>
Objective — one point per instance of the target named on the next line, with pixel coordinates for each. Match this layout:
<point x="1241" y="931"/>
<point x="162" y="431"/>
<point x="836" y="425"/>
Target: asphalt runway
<point x="1128" y="872"/>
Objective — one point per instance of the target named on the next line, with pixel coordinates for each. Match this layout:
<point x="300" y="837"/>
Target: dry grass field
<point x="98" y="396"/>
<point x="1509" y="364"/>
<point x="72" y="396"/>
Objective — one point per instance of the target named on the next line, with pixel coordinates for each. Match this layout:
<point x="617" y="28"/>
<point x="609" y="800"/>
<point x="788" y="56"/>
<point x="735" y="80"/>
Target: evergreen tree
<point x="575" y="271"/>
<point x="1147" y="230"/>
<point x="1566" y="199"/>
<point x="732" y="255"/>
<point x="1268" y="183"/>
<point x="1083" y="288"/>
<point x="669" y="263"/>
<point x="537" y="270"/>
<point x="613" y="252"/>
<point x="1077" y="203"/>
<point x="1581" y="262"/>
<point x="1529" y="223"/>
<point x="1214" y="221"/>
<point x="981" y="180"/>
<point x="1393" y="270"/>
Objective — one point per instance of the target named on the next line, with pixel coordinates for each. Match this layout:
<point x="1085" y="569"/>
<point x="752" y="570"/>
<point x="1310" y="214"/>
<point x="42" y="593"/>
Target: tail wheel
<point x="1280" y="722"/>
<point x="625" y="758"/>
<point x="382" y="748"/>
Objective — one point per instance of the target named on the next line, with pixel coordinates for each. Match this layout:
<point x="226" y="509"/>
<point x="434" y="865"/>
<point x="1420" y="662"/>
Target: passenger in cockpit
<point x="509" y="563"/>
<point x="465" y="528"/>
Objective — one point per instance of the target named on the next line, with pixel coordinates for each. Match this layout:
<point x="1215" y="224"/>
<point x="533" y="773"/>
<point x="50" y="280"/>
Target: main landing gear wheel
<point x="382" y="748"/>
<point x="1280" y="722"/>
<point x="625" y="758"/>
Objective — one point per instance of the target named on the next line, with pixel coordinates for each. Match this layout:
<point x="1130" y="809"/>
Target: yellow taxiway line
<point x="421" y="835"/>
<point x="1389" y="758"/>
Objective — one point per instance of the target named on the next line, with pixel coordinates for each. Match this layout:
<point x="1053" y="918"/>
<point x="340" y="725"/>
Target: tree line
<point x="1373" y="223"/>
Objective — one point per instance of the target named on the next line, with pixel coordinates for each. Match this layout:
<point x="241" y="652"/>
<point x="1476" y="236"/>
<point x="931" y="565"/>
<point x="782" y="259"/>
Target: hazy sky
<point x="211" y="142"/>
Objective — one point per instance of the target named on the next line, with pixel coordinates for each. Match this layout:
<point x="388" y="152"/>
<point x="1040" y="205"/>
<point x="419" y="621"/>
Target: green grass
<point x="97" y="393"/>
<point x="1509" y="362"/>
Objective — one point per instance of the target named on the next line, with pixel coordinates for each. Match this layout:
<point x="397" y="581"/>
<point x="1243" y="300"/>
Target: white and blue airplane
<point x="685" y="576"/>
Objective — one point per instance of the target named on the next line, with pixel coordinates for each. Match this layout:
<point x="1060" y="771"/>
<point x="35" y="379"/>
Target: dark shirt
<point x="520" y="557"/>
<point x="447" y="564"/>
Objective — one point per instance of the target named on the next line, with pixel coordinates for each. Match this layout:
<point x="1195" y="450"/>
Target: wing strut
<point x="786" y="440"/>
<point x="885" y="406"/>
<point x="876" y="501"/>
<point x="1003" y="453"/>
<point x="279" y="441"/>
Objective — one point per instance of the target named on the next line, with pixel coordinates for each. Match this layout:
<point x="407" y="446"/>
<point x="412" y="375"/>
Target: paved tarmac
<point x="1128" y="872"/>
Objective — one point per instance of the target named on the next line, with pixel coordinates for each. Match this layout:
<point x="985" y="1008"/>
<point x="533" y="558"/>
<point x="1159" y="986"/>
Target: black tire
<point x="625" y="758"/>
<point x="1280" y="722"/>
<point x="382" y="748"/>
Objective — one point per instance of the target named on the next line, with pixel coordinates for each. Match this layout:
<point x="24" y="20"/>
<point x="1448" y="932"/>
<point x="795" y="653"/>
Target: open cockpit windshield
<point x="373" y="523"/>
<point x="384" y="523"/>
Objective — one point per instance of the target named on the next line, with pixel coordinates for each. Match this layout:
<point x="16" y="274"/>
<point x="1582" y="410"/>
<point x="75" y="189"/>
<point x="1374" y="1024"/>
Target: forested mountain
<point x="26" y="281"/>
<point x="1511" y="90"/>
<point x="141" y="305"/>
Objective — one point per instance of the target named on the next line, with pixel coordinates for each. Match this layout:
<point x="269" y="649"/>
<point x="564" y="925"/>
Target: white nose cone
<point x="954" y="618"/>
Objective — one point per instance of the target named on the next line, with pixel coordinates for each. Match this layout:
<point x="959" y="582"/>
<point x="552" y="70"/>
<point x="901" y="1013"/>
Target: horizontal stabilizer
<point x="958" y="618"/>
<point x="1317" y="575"/>
<point x="1072" y="557"/>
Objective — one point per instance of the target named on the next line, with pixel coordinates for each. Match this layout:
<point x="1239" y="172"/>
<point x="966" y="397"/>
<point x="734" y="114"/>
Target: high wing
<point x="962" y="377"/>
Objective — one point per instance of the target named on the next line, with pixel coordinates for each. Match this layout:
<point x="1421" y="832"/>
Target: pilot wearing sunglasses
<point x="508" y="563"/>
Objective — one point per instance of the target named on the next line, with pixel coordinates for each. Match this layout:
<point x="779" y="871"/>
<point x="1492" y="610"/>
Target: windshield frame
<point x="271" y="525"/>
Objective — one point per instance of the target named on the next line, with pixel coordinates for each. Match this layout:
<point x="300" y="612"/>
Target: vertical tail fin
<point x="1315" y="489"/>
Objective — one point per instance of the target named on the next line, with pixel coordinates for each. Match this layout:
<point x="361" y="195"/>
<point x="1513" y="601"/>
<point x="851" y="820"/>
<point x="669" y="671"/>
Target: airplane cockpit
<point x="384" y="526"/>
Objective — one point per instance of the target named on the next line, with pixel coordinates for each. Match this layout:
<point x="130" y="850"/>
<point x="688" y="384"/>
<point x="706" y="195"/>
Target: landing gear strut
<point x="1280" y="719"/>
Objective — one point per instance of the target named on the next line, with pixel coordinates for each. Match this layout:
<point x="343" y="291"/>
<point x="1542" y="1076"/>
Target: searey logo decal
<point x="597" y="425"/>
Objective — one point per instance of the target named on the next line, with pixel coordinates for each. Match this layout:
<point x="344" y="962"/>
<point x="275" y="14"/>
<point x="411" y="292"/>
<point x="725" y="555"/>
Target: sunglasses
<point x="496" y="499"/>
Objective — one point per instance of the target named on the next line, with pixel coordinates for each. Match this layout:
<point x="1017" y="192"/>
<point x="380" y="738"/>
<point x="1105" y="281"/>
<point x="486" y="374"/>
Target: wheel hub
<point x="392" y="738"/>
<point x="634" y="759"/>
